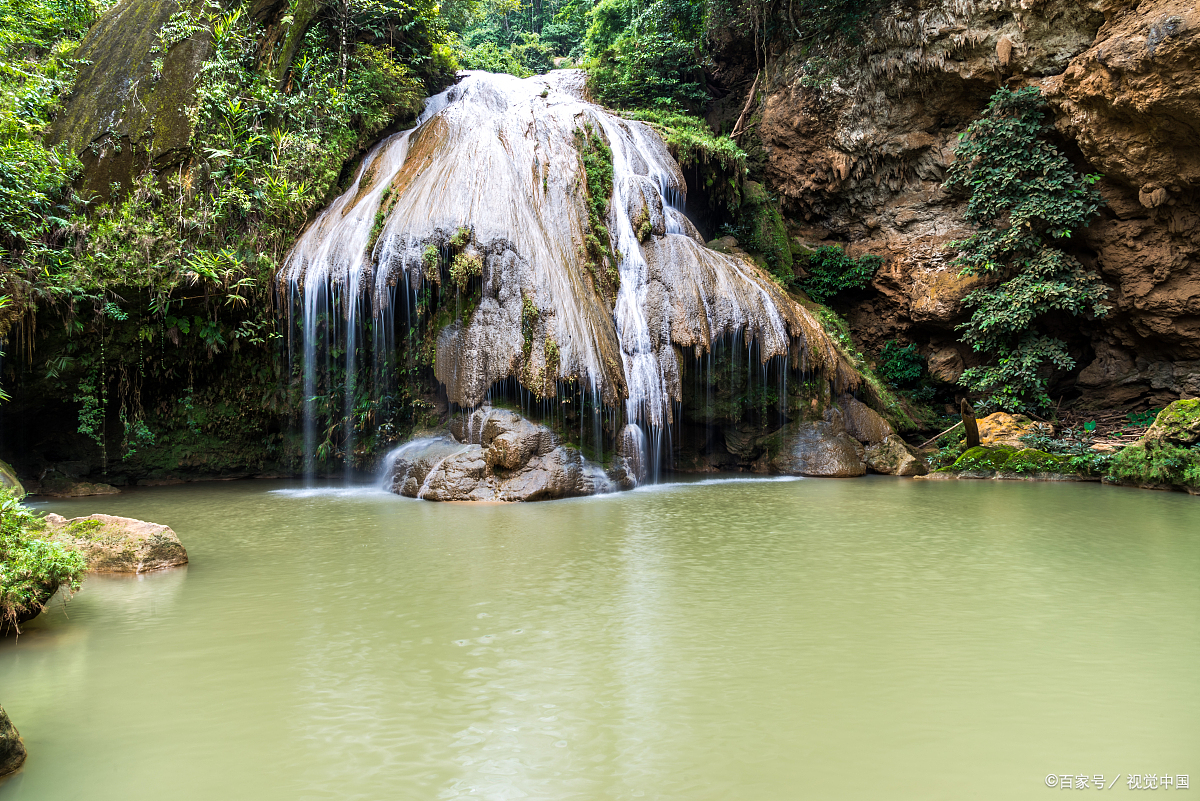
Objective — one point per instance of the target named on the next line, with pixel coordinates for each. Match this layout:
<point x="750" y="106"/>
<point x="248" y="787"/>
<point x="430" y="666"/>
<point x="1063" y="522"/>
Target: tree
<point x="1028" y="200"/>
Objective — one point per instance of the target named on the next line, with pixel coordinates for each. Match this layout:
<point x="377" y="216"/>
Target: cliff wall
<point x="857" y="151"/>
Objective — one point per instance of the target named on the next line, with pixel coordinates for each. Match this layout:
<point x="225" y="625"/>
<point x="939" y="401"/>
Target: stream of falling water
<point x="498" y="156"/>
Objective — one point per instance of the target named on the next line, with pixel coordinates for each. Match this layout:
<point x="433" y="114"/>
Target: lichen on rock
<point x="119" y="544"/>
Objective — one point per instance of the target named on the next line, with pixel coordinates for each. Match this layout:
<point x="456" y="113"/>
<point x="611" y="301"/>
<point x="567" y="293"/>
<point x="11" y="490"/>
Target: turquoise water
<point x="867" y="639"/>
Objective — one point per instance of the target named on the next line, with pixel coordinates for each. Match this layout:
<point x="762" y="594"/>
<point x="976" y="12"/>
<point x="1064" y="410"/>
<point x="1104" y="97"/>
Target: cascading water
<point x="475" y="222"/>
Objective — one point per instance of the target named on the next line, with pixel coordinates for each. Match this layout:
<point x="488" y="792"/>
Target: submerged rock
<point x="12" y="750"/>
<point x="495" y="455"/>
<point x="66" y="488"/>
<point x="894" y="457"/>
<point x="119" y="544"/>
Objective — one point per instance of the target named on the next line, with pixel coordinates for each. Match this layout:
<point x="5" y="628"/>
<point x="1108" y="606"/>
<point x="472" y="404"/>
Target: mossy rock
<point x="8" y="478"/>
<point x="1035" y="461"/>
<point x="124" y="113"/>
<point x="983" y="458"/>
<point x="764" y="228"/>
<point x="1178" y="424"/>
<point x="1157" y="464"/>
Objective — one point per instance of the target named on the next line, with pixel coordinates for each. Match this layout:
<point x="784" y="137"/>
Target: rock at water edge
<point x="119" y="544"/>
<point x="494" y="455"/>
<point x="1178" y="424"/>
<point x="12" y="750"/>
<point x="8" y="478"/>
<point x="821" y="449"/>
<point x="894" y="457"/>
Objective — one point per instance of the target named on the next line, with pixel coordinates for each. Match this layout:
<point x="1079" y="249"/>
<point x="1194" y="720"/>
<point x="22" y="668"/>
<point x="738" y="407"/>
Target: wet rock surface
<point x="119" y="544"/>
<point x="820" y="448"/>
<point x="12" y="750"/>
<point x="496" y="455"/>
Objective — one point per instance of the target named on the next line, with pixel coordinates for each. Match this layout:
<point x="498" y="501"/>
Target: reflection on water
<point x="713" y="640"/>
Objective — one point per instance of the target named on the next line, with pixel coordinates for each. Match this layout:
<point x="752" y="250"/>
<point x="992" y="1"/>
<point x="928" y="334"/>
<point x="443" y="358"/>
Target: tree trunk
<point x="970" y="424"/>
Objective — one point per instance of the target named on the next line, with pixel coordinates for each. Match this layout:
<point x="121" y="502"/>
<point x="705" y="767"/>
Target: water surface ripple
<point x="723" y="640"/>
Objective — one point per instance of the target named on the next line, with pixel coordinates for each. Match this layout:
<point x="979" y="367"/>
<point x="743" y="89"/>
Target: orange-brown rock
<point x="859" y="157"/>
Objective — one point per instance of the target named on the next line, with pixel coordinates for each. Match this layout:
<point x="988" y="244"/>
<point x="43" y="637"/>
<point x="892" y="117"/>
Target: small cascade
<point x="460" y="247"/>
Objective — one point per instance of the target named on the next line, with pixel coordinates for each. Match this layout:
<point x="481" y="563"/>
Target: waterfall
<point x="475" y="219"/>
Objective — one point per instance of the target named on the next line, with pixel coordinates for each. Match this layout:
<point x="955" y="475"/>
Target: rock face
<point x="128" y="108"/>
<point x="12" y="750"/>
<point x="861" y="158"/>
<point x="119" y="544"/>
<point x="494" y="455"/>
<point x="821" y="449"/>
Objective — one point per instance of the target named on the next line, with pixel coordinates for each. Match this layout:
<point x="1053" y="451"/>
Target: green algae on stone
<point x="983" y="458"/>
<point x="1178" y="424"/>
<point x="1030" y="460"/>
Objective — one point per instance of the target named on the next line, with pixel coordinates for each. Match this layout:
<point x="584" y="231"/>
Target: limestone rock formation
<point x="119" y="544"/>
<point x="12" y="750"/>
<point x="549" y="311"/>
<point x="861" y="155"/>
<point x="493" y="455"/>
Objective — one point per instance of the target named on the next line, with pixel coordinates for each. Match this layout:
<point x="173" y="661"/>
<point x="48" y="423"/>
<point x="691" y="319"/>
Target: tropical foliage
<point x="32" y="568"/>
<point x="1027" y="200"/>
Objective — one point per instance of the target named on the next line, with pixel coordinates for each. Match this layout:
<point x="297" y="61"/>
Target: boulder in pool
<point x="65" y="487"/>
<point x="119" y="544"/>
<point x="12" y="750"/>
<point x="894" y="457"/>
<point x="494" y="455"/>
<point x="820" y="448"/>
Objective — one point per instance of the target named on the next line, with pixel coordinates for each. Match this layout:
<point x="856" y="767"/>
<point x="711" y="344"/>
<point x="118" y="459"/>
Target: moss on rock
<point x="1178" y="424"/>
<point x="1029" y="460"/>
<point x="982" y="458"/>
<point x="762" y="229"/>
